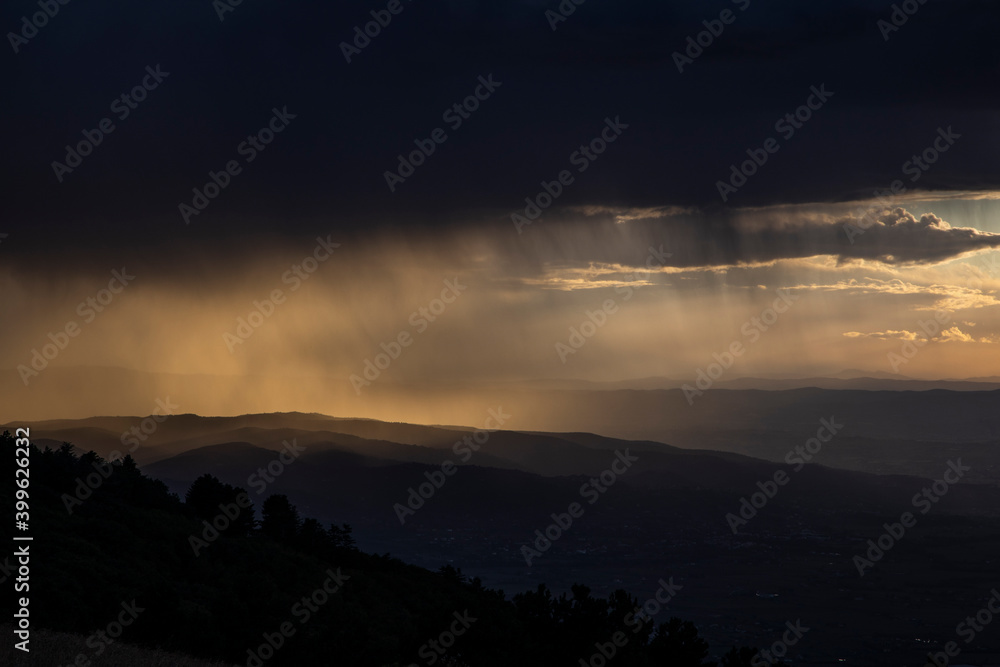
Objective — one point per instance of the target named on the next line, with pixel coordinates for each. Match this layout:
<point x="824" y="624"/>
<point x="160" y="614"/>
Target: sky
<point x="495" y="193"/>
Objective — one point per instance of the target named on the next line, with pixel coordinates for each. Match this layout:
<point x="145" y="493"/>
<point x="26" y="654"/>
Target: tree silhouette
<point x="452" y="574"/>
<point x="208" y="498"/>
<point x="279" y="519"/>
<point x="128" y="465"/>
<point x="342" y="537"/>
<point x="205" y="495"/>
<point x="313" y="538"/>
<point x="677" y="643"/>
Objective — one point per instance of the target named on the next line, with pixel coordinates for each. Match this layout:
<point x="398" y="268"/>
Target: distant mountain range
<point x="885" y="432"/>
<point x="104" y="390"/>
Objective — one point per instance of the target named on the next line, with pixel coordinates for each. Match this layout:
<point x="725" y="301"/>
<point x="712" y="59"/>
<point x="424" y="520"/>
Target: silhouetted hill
<point x="886" y="432"/>
<point x="133" y="554"/>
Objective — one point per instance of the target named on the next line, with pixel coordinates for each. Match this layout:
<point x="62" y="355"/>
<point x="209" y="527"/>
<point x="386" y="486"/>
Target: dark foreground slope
<point x="52" y="648"/>
<point x="288" y="592"/>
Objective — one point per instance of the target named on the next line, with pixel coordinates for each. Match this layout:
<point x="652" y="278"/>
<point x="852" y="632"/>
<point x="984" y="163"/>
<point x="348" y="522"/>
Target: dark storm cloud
<point x="893" y="237"/>
<point x="697" y="240"/>
<point x="606" y="59"/>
